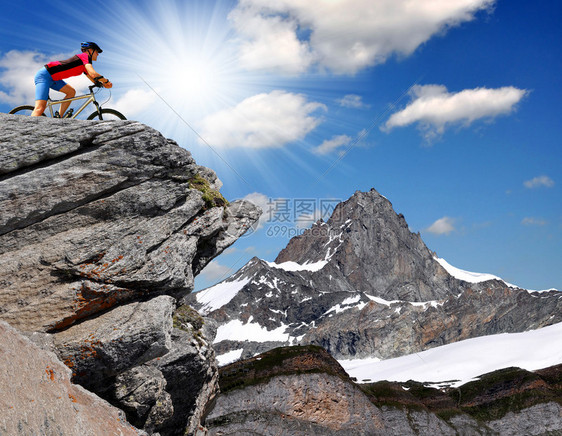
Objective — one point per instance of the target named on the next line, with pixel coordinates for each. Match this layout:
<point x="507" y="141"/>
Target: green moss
<point x="211" y="197"/>
<point x="305" y="359"/>
<point x="185" y="315"/>
<point x="391" y="394"/>
<point x="507" y="390"/>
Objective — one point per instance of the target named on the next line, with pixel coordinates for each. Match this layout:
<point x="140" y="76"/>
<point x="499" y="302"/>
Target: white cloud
<point x="134" y="102"/>
<point x="330" y="145"/>
<point x="263" y="120"/>
<point x="539" y="181"/>
<point x="17" y="70"/>
<point x="532" y="221"/>
<point x="443" y="226"/>
<point x="270" y="42"/>
<point x="352" y="101"/>
<point x="434" y="108"/>
<point x="344" y="36"/>
<point x="215" y="271"/>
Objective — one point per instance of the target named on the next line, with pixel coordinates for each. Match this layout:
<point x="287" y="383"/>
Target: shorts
<point x="44" y="82"/>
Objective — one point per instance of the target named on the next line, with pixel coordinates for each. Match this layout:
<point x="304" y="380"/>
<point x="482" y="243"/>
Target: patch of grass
<point x="188" y="319"/>
<point x="507" y="390"/>
<point x="391" y="394"/>
<point x="211" y="197"/>
<point x="304" y="359"/>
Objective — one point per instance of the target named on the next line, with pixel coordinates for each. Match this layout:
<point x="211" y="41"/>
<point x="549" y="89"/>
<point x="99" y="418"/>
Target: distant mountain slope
<point x="363" y="285"/>
<point x="461" y="362"/>
<point x="302" y="390"/>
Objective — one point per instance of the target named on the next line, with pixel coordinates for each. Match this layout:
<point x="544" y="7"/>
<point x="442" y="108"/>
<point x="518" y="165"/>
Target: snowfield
<point x="466" y="276"/>
<point x="466" y="360"/>
<point x="219" y="295"/>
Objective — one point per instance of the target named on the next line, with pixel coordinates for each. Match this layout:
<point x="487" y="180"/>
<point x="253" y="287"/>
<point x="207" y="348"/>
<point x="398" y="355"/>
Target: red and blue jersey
<point x="74" y="66"/>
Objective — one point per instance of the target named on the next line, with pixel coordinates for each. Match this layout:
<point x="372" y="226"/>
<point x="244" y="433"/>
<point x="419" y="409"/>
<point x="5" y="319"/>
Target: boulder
<point x="96" y="214"/>
<point x="39" y="398"/>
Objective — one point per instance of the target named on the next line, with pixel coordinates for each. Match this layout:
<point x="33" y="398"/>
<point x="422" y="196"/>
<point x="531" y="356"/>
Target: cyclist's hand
<point x="107" y="84"/>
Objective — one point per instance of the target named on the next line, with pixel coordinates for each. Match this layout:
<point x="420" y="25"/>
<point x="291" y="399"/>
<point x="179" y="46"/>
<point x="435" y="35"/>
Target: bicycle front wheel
<point x="107" y="114"/>
<point x="23" y="110"/>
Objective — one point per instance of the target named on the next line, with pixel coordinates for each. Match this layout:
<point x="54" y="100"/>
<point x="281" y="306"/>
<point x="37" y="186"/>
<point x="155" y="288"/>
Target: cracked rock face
<point x="38" y="397"/>
<point x="101" y="232"/>
<point x="95" y="214"/>
<point x="302" y="390"/>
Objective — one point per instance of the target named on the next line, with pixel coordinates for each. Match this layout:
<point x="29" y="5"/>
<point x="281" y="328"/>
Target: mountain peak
<point x="362" y="284"/>
<point x="373" y="248"/>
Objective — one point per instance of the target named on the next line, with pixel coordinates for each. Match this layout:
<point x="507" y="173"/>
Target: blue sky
<point x="451" y="109"/>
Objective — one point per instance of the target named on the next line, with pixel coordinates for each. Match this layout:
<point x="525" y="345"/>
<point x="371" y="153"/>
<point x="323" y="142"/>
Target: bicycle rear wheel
<point x="23" y="110"/>
<point x="107" y="114"/>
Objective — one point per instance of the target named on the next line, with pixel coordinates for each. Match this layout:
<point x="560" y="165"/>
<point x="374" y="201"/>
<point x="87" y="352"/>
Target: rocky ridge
<point x="302" y="390"/>
<point x="103" y="226"/>
<point x="363" y="285"/>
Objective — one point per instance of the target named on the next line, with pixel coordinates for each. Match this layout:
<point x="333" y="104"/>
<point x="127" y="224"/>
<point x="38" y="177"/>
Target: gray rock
<point x="319" y="404"/>
<point x="138" y="391"/>
<point x="132" y="356"/>
<point x="123" y="338"/>
<point x="169" y="394"/>
<point x="541" y="419"/>
<point x="192" y="382"/>
<point x="95" y="214"/>
<point x="39" y="398"/>
<point x="329" y="404"/>
<point x="102" y="229"/>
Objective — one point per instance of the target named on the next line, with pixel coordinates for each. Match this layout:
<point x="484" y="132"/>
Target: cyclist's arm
<point x="92" y="75"/>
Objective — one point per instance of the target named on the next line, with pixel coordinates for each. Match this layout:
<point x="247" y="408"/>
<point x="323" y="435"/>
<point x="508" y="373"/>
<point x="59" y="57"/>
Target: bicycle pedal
<point x="68" y="114"/>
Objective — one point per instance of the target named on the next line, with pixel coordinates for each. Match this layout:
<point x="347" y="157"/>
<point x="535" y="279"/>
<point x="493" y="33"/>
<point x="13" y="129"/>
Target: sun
<point x="198" y="79"/>
<point x="195" y="79"/>
<point x="184" y="52"/>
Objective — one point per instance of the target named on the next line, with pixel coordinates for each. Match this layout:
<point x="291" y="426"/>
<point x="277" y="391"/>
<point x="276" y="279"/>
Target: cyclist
<point x="51" y="75"/>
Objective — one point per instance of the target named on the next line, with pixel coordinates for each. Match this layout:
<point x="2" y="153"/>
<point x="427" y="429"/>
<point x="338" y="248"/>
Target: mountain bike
<point x="99" y="114"/>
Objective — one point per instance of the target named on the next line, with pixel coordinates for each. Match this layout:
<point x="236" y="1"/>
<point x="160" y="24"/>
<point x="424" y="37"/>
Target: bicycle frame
<point x="90" y="99"/>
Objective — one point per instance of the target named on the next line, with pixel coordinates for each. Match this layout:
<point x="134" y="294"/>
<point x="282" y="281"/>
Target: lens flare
<point x="183" y="50"/>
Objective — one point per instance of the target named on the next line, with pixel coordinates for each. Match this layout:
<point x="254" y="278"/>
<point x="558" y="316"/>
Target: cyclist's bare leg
<point x="40" y="106"/>
<point x="69" y="92"/>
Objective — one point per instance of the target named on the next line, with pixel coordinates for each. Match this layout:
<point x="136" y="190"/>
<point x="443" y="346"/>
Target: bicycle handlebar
<point x="97" y="84"/>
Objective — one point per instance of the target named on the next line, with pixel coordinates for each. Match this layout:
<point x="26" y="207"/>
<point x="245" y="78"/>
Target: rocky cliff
<point x="363" y="285"/>
<point x="303" y="391"/>
<point x="103" y="226"/>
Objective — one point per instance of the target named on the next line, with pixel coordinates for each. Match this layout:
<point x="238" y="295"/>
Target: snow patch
<point x="351" y="300"/>
<point x="382" y="300"/>
<point x="294" y="266"/>
<point x="229" y="357"/>
<point x="236" y="331"/>
<point x="217" y="296"/>
<point x="466" y="360"/>
<point x="348" y="303"/>
<point x="467" y="276"/>
<point x="427" y="304"/>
